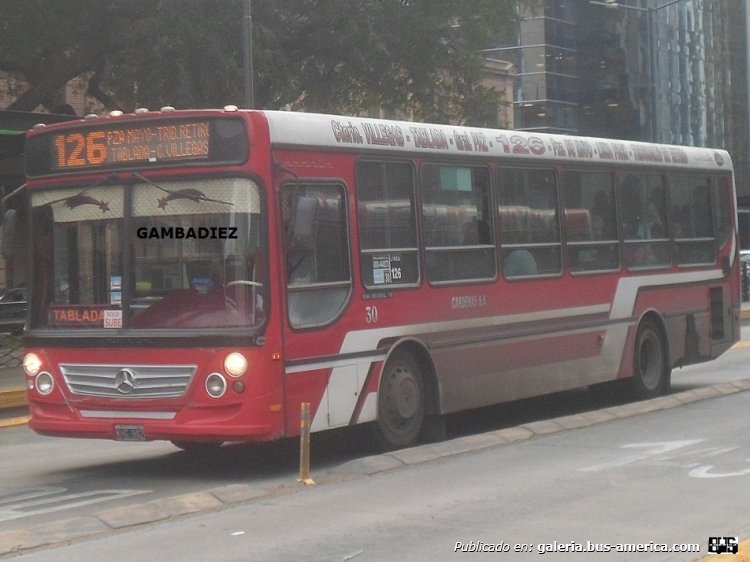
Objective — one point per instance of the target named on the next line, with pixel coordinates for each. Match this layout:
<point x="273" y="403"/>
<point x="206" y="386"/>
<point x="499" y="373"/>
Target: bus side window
<point x="529" y="222"/>
<point x="643" y="199"/>
<point x="457" y="218"/>
<point x="300" y="248"/>
<point x="590" y="221"/>
<point x="722" y="206"/>
<point x="692" y="219"/>
<point x="386" y="218"/>
<point x="316" y="245"/>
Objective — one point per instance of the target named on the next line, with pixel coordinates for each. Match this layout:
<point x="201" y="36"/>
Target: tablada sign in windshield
<point x="140" y="144"/>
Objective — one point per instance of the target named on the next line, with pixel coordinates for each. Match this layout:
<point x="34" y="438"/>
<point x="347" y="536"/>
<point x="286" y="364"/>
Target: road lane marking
<point x="50" y="499"/>
<point x="678" y="454"/>
<point x="653" y="450"/>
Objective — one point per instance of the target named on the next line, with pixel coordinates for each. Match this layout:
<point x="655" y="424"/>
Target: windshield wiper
<point x="82" y="198"/>
<point x="189" y="193"/>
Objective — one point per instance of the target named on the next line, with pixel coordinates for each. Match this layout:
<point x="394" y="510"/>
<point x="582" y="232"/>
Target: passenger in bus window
<point x="603" y="217"/>
<point x="645" y="221"/>
<point x="649" y="224"/>
<point x="520" y="263"/>
<point x="631" y="205"/>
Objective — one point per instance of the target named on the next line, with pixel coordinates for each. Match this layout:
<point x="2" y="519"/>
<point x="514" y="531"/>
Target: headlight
<point x="44" y="383"/>
<point x="31" y="364"/>
<point x="235" y="364"/>
<point x="216" y="385"/>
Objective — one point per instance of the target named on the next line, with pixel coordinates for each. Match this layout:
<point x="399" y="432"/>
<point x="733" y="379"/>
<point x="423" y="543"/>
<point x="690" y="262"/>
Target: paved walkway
<point x="11" y="378"/>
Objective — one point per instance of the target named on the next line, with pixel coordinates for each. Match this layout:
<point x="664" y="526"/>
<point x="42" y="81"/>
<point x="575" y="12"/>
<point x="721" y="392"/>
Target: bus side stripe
<point x="623" y="305"/>
<point x="357" y="344"/>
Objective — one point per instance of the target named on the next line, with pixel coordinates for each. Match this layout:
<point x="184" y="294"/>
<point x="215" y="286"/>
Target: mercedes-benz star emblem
<point x="125" y="381"/>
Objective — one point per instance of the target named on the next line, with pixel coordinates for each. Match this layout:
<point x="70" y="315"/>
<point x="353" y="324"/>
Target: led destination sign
<point x="138" y="144"/>
<point x="131" y="144"/>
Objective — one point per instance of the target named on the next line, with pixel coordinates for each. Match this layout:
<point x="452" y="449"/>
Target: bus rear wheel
<point x="401" y="402"/>
<point x="652" y="374"/>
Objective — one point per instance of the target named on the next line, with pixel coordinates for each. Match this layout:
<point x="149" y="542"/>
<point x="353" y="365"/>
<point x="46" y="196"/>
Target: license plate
<point x="130" y="433"/>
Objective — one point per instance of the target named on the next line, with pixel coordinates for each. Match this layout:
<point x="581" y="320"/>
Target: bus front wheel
<point x="401" y="402"/>
<point x="652" y="373"/>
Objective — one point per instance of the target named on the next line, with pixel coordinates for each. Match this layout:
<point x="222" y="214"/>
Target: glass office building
<point x="655" y="70"/>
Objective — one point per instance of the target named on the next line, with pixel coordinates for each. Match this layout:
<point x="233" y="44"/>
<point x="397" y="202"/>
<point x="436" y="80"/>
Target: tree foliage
<point x="411" y="56"/>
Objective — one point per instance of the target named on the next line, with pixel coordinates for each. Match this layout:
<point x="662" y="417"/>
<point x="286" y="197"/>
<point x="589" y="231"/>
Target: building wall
<point x="499" y="75"/>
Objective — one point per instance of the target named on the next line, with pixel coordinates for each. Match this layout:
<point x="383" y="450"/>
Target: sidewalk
<point x="11" y="378"/>
<point x="13" y="404"/>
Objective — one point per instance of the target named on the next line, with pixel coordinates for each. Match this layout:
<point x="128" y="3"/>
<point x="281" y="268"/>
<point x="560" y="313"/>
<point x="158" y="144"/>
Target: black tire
<point x="401" y="402"/>
<point x="652" y="374"/>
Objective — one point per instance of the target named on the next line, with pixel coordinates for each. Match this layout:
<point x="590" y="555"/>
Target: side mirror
<point x="305" y="219"/>
<point x="9" y="232"/>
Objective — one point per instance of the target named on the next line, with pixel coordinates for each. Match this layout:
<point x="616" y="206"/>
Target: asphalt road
<point x="47" y="482"/>
<point x="666" y="479"/>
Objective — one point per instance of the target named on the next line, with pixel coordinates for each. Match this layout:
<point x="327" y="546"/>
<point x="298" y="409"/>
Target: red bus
<point x="196" y="275"/>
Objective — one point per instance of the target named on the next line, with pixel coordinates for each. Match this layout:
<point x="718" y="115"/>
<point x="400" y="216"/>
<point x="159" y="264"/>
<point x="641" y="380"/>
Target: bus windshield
<point x="168" y="255"/>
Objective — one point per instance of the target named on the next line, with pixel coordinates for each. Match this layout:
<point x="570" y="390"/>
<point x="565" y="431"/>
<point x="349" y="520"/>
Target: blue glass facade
<point x="673" y="72"/>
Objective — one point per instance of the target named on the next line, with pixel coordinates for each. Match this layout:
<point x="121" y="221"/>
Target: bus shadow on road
<point x="231" y="462"/>
<point x="235" y="462"/>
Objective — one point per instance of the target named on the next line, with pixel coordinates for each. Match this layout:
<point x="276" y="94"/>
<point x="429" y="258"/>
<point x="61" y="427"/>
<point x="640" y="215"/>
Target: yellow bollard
<point x="304" y="445"/>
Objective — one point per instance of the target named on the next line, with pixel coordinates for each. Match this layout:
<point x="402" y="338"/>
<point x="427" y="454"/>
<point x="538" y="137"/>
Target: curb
<point x="14" y="422"/>
<point x="217" y="499"/>
<point x="368" y="466"/>
<point x="13" y="398"/>
<point x="129" y="516"/>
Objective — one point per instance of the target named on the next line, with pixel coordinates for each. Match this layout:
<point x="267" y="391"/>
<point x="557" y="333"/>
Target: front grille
<point x="128" y="381"/>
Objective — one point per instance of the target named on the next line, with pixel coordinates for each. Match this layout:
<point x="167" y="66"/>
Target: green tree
<point x="410" y="56"/>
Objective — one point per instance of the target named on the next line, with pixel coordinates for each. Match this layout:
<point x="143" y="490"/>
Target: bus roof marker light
<point x="231" y="108"/>
<point x="90" y="116"/>
<point x="167" y="109"/>
<point x="31" y="364"/>
<point x="235" y="364"/>
<point x="115" y="113"/>
<point x="140" y="110"/>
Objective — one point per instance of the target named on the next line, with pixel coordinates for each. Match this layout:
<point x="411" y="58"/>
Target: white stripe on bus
<point x="346" y="382"/>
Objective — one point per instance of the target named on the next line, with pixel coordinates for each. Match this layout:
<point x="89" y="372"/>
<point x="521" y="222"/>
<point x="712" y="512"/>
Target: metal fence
<point x="11" y="352"/>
